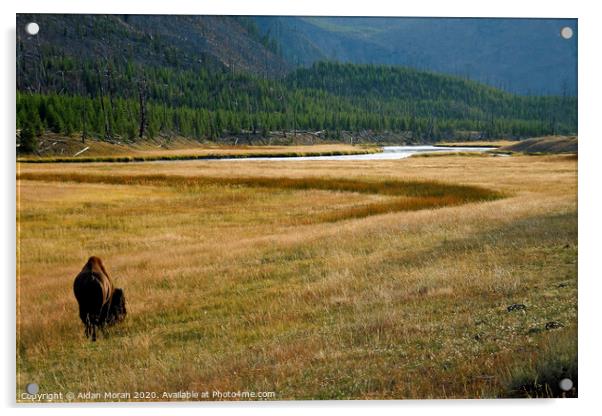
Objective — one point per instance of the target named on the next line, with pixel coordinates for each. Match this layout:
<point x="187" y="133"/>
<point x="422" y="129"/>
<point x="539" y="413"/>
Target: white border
<point x="460" y="8"/>
<point x="590" y="96"/>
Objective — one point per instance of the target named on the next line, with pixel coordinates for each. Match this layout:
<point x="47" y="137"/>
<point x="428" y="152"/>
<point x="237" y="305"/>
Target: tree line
<point x="112" y="99"/>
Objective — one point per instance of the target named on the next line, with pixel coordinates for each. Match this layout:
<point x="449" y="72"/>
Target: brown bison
<point x="99" y="302"/>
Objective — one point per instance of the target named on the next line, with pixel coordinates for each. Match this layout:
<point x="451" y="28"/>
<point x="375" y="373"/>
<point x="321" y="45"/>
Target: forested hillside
<point x="217" y="42"/>
<point x="525" y="56"/>
<point x="120" y="83"/>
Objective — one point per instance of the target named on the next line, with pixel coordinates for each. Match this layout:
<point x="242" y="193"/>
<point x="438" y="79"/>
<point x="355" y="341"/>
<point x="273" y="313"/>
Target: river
<point x="388" y="153"/>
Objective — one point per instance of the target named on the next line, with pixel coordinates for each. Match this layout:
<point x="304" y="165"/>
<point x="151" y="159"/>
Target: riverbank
<point x="184" y="150"/>
<point x="478" y="143"/>
<point x="275" y="153"/>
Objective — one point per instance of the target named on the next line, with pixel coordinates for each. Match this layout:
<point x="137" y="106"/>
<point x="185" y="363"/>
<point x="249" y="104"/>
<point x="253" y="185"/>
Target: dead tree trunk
<point x="85" y="120"/>
<point x="142" y="99"/>
<point x="110" y="88"/>
<point x="108" y="133"/>
<point x="84" y="94"/>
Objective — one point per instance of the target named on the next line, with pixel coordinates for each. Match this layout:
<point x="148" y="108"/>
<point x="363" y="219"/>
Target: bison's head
<point x="117" y="310"/>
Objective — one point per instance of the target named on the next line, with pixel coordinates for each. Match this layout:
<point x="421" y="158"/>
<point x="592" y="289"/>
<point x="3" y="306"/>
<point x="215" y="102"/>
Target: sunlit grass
<point x="386" y="187"/>
<point x="415" y="195"/>
<point x="210" y="153"/>
<point x="287" y="278"/>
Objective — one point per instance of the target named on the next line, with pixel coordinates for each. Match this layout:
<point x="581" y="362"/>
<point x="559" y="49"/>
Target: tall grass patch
<point x="411" y="195"/>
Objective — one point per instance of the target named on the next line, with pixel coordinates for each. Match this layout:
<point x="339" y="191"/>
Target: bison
<point x="99" y="302"/>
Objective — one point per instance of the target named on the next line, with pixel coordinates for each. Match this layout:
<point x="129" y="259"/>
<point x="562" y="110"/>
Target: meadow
<point x="313" y="280"/>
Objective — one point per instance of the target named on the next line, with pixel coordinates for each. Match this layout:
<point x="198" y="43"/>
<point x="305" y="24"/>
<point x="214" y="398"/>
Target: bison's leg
<point x="87" y="325"/>
<point x="104" y="317"/>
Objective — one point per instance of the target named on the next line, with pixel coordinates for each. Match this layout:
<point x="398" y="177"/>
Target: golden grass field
<point x="307" y="289"/>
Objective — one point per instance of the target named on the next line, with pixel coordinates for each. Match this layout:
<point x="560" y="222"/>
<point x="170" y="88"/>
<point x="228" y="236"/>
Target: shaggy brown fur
<point x="99" y="302"/>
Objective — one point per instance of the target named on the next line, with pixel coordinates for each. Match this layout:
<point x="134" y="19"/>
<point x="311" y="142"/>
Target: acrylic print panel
<point x="287" y="208"/>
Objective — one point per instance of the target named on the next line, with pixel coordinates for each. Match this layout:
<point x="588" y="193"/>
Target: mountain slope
<point x="526" y="56"/>
<point x="226" y="42"/>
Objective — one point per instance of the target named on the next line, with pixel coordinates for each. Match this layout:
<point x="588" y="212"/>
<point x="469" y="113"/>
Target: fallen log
<point x="81" y="151"/>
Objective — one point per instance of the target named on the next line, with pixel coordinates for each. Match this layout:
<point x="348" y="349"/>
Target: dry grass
<point x="554" y="360"/>
<point x="411" y="195"/>
<point x="186" y="150"/>
<point x="231" y="288"/>
<point x="457" y="154"/>
<point x="544" y="145"/>
<point x="478" y="143"/>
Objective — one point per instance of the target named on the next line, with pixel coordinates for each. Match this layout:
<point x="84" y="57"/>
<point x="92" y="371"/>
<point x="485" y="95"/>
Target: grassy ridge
<point x="209" y="156"/>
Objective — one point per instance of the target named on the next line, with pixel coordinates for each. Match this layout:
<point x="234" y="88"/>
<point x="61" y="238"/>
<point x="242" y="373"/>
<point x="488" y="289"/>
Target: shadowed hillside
<point x="525" y="56"/>
<point x="191" y="42"/>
